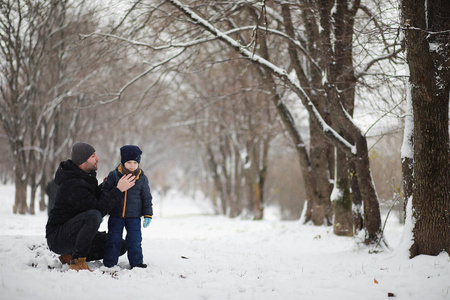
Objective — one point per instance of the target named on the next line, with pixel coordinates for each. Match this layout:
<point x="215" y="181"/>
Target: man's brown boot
<point x="78" y="264"/>
<point x="65" y="259"/>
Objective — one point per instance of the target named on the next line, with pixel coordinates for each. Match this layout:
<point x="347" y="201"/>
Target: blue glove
<point x="147" y="222"/>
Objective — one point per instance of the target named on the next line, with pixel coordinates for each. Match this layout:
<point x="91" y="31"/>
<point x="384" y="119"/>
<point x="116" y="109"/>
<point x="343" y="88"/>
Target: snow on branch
<point x="278" y="72"/>
<point x="284" y="35"/>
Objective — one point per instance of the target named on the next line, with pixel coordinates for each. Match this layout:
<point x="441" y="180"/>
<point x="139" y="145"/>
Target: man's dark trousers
<point x="80" y="237"/>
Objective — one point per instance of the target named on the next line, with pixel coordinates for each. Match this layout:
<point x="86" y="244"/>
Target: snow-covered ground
<point x="193" y="254"/>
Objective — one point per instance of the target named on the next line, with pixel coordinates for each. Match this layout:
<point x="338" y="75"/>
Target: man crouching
<point x="72" y="227"/>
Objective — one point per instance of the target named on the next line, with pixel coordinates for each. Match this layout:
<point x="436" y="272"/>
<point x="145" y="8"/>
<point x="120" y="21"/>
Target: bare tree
<point x="334" y="67"/>
<point x="287" y="47"/>
<point x="25" y="30"/>
<point x="234" y="136"/>
<point x="427" y="38"/>
<point x="45" y="83"/>
<point x="233" y="124"/>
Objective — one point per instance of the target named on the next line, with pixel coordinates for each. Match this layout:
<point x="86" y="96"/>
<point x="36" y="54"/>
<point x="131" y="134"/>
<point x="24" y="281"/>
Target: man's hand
<point x="126" y="182"/>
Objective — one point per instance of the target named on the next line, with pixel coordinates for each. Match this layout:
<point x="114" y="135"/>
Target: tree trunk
<point x="259" y="186"/>
<point x="212" y="165"/>
<point x="357" y="209"/>
<point x="427" y="55"/>
<point x="358" y="151"/>
<point x="431" y="193"/>
<point x="341" y="198"/>
<point x="20" y="202"/>
<point x="32" y="208"/>
<point x="42" y="205"/>
<point x="407" y="180"/>
<point x="309" y="180"/>
<point x="407" y="153"/>
<point x="320" y="209"/>
<point x="372" y="215"/>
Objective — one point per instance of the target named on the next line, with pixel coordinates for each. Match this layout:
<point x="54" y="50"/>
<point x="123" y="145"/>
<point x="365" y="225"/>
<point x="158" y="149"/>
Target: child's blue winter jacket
<point x="137" y="201"/>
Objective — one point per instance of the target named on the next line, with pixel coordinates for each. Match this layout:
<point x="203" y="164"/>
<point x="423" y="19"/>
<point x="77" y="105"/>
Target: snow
<point x="407" y="150"/>
<point x="281" y="73"/>
<point x="193" y="254"/>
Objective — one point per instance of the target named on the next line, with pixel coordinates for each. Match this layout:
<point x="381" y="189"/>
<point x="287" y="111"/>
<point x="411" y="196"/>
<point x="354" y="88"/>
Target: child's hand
<point x="147" y="222"/>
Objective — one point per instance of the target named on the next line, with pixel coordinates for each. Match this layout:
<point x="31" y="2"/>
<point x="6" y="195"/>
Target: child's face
<point x="131" y="165"/>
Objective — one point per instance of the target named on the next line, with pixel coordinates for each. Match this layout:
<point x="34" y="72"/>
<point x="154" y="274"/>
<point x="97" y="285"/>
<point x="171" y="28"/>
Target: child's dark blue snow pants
<point x="133" y="241"/>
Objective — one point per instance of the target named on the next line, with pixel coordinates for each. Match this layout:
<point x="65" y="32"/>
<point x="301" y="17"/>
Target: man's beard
<point x="91" y="167"/>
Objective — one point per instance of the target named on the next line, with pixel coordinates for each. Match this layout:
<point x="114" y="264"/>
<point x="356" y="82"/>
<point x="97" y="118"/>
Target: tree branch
<point x="342" y="143"/>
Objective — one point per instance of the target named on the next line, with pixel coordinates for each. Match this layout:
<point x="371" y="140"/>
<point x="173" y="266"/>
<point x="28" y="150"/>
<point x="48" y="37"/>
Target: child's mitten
<point x="147" y="222"/>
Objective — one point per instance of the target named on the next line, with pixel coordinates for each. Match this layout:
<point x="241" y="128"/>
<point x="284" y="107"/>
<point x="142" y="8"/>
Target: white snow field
<point x="193" y="254"/>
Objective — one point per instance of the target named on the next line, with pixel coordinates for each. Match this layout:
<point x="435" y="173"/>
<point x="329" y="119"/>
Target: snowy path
<point x="210" y="257"/>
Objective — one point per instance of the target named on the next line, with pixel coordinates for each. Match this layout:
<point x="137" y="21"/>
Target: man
<point x="50" y="190"/>
<point x="72" y="227"/>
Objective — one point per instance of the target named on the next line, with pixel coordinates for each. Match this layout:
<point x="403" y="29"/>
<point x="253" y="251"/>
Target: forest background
<point x="138" y="72"/>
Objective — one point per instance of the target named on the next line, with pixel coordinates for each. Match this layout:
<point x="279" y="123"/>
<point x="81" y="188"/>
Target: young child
<point x="136" y="203"/>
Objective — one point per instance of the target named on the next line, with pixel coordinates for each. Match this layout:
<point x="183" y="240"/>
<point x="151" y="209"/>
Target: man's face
<point x="91" y="164"/>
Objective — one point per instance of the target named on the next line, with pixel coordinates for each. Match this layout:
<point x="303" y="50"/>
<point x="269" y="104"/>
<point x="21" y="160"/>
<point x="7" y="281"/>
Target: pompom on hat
<point x="130" y="152"/>
<point x="81" y="152"/>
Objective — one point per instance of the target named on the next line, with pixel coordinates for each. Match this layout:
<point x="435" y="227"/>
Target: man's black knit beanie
<point x="81" y="152"/>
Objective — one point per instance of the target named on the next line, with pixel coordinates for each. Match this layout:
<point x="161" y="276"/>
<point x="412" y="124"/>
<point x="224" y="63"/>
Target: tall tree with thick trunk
<point x="427" y="38"/>
<point x="352" y="141"/>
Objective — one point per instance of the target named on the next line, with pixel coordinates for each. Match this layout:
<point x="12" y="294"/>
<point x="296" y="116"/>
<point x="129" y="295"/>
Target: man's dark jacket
<point x="78" y="191"/>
